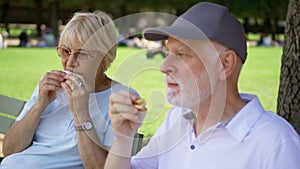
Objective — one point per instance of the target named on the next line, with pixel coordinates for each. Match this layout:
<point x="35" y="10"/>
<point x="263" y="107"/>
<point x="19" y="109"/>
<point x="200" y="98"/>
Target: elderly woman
<point x="65" y="124"/>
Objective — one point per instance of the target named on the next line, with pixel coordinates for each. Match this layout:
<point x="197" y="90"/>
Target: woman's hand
<point x="48" y="86"/>
<point x="125" y="117"/>
<point x="78" y="92"/>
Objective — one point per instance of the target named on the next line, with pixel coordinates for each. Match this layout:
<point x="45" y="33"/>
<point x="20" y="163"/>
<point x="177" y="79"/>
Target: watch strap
<point x="83" y="126"/>
<point x="79" y="128"/>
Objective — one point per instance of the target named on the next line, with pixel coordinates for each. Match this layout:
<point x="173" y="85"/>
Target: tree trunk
<point x="53" y="17"/>
<point x="5" y="9"/>
<point x="39" y="9"/>
<point x="288" y="103"/>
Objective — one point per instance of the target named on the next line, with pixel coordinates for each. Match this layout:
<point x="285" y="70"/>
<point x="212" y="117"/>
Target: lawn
<point x="21" y="69"/>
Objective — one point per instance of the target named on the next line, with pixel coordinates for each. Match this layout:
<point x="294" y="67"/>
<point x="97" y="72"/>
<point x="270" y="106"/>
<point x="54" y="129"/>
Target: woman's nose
<point x="72" y="61"/>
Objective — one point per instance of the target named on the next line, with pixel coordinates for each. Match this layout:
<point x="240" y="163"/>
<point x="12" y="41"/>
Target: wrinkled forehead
<point x="195" y="46"/>
<point x="205" y="50"/>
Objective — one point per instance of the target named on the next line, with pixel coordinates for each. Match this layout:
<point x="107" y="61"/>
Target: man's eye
<point x="179" y="54"/>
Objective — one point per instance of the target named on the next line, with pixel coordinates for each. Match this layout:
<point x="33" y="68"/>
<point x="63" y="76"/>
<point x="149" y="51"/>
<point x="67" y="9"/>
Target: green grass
<point x="261" y="75"/>
<point x="21" y="69"/>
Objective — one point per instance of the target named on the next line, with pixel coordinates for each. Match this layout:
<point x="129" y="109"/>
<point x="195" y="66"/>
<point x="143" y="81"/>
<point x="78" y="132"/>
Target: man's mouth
<point x="172" y="85"/>
<point x="171" y="82"/>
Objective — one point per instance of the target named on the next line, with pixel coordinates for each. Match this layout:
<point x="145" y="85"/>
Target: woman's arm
<point x="21" y="133"/>
<point x="92" y="154"/>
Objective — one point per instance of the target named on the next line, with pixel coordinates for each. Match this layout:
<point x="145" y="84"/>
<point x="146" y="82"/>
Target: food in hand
<point x="139" y="103"/>
<point x="61" y="95"/>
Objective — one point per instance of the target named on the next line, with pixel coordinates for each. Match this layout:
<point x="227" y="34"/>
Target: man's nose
<point x="168" y="66"/>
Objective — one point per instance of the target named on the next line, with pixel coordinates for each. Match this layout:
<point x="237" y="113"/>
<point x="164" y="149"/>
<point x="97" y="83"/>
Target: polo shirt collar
<point x="242" y="123"/>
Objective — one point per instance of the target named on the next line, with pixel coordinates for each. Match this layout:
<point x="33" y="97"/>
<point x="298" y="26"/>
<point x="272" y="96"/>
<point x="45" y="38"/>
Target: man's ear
<point x="229" y="61"/>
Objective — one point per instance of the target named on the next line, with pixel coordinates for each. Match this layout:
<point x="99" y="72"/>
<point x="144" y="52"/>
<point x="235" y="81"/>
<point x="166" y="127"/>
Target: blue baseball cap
<point x="205" y="20"/>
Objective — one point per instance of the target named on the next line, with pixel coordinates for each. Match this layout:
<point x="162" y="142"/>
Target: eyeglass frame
<point x="75" y="54"/>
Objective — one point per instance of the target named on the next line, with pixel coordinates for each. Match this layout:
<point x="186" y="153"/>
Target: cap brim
<point x="162" y="33"/>
<point x="156" y="33"/>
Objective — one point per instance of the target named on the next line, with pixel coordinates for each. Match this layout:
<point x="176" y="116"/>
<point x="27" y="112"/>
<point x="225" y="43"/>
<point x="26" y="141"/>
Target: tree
<point x="288" y="103"/>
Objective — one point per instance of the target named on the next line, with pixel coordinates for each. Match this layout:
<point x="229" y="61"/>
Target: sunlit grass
<point x="261" y="75"/>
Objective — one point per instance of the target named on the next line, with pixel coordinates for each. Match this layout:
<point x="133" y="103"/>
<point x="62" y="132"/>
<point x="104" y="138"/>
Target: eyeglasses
<point x="81" y="56"/>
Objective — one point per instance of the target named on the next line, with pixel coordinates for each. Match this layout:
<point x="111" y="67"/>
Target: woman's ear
<point x="229" y="61"/>
<point x="103" y="62"/>
<point x="103" y="66"/>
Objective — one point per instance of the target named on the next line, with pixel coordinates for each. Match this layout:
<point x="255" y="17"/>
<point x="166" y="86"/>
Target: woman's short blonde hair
<point x="96" y="31"/>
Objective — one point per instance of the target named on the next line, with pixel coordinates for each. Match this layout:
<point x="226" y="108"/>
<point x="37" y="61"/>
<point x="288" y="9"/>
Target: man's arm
<point x="125" y="120"/>
<point x="120" y="154"/>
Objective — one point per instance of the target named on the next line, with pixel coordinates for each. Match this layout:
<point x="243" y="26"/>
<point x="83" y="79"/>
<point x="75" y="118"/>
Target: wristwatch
<point x="86" y="125"/>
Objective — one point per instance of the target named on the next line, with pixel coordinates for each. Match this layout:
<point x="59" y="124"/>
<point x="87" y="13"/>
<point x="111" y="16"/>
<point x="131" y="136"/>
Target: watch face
<point x="88" y="125"/>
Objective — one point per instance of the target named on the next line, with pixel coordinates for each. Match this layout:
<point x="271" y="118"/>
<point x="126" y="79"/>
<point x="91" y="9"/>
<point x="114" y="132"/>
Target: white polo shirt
<point x="252" y="139"/>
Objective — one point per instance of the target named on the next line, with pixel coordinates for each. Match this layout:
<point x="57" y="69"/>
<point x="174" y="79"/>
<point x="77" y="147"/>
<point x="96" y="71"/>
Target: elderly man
<point x="212" y="125"/>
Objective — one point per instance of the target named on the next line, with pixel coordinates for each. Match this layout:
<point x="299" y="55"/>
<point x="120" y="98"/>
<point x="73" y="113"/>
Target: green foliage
<point x="15" y="32"/>
<point x="21" y="69"/>
<point x="242" y="8"/>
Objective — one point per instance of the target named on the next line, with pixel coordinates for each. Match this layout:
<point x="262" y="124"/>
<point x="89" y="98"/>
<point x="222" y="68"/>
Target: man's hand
<point x="126" y="112"/>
